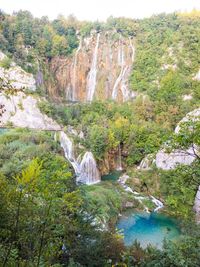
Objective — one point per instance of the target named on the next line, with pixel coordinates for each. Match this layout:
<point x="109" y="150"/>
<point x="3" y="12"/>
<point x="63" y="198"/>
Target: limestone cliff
<point x="16" y="77"/>
<point x="99" y="69"/>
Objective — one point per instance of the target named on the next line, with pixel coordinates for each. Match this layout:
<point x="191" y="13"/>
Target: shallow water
<point x="112" y="176"/>
<point x="148" y="228"/>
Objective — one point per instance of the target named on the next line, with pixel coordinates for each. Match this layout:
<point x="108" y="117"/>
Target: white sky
<point x="98" y="9"/>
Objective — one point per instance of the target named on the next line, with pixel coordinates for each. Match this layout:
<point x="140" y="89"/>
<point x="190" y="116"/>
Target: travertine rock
<point x="22" y="111"/>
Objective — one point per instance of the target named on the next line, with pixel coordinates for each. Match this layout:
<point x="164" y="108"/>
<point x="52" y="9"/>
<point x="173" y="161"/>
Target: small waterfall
<point x="91" y="80"/>
<point x="158" y="203"/>
<point x="119" y="160"/>
<point x="89" y="174"/>
<point x="133" y="50"/>
<point x="74" y="97"/>
<point x="68" y="148"/>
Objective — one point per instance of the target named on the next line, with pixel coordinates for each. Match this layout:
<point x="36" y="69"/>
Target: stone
<point x="167" y="161"/>
<point x="17" y="77"/>
<point x="92" y="61"/>
<point x="22" y="111"/>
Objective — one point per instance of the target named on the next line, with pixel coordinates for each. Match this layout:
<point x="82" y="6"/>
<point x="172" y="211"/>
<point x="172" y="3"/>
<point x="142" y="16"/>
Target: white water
<point x="74" y="97"/>
<point x="89" y="173"/>
<point x="133" y="50"/>
<point x="157" y="202"/>
<point x="86" y="169"/>
<point x="119" y="160"/>
<point x="91" y="79"/>
<point x="122" y="78"/>
<point x="68" y="148"/>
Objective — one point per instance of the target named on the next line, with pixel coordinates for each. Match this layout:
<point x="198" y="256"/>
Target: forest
<point x="46" y="218"/>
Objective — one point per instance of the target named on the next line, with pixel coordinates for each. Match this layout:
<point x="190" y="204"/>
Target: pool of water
<point x="148" y="228"/>
<point x="112" y="176"/>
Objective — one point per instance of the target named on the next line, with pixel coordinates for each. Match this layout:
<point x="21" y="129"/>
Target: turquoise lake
<point x="148" y="228"/>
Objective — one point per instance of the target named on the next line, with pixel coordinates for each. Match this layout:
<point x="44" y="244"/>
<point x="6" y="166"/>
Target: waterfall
<point x="89" y="174"/>
<point x="157" y="202"/>
<point x="91" y="80"/>
<point x="86" y="169"/>
<point x="68" y="148"/>
<point x="159" y="205"/>
<point x="74" y="97"/>
<point x="133" y="50"/>
<point x="119" y="160"/>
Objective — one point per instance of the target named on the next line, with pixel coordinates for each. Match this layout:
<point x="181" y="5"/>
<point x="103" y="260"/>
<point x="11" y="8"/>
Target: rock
<point x="187" y="97"/>
<point x="94" y="58"/>
<point x="197" y="76"/>
<point x="146" y="163"/>
<point x="167" y="161"/>
<point x="191" y="116"/>
<point x="18" y="78"/>
<point x="123" y="178"/>
<point x="22" y="111"/>
<point x="197" y="205"/>
<point x="129" y="204"/>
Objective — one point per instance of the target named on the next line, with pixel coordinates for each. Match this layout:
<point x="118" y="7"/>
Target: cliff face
<point x="98" y="70"/>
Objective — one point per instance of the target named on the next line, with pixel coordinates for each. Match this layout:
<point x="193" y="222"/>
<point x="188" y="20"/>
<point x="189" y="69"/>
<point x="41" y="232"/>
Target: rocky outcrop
<point x="87" y="75"/>
<point x="191" y="116"/>
<point x="197" y="205"/>
<point x="16" y="77"/>
<point x="21" y="110"/>
<point x="167" y="161"/>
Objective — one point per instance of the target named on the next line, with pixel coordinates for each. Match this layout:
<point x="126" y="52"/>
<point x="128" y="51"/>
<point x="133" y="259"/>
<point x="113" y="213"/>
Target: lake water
<point x="112" y="176"/>
<point x="148" y="228"/>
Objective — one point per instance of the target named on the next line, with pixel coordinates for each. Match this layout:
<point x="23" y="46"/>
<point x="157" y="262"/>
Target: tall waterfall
<point x="89" y="174"/>
<point x="74" y="97"/>
<point x="122" y="79"/>
<point x="68" y="148"/>
<point x="91" y="79"/>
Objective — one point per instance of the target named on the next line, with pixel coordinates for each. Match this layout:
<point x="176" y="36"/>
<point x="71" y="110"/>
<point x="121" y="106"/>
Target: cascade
<point x="74" y="97"/>
<point x="91" y="79"/>
<point x="86" y="169"/>
<point x="122" y="78"/>
<point x="157" y="202"/>
<point x="68" y="148"/>
<point x="89" y="173"/>
<point x="133" y="50"/>
<point x="119" y="160"/>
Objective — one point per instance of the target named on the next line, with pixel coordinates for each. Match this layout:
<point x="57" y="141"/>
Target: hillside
<point x="106" y="118"/>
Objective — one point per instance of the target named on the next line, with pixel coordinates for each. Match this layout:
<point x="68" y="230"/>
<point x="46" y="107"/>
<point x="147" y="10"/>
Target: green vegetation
<point x="46" y="220"/>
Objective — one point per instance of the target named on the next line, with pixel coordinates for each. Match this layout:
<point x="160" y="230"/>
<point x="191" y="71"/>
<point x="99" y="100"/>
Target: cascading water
<point x="68" y="148"/>
<point x="158" y="203"/>
<point x="119" y="160"/>
<point x="89" y="173"/>
<point x="86" y="170"/>
<point x="123" y="75"/>
<point x="91" y="79"/>
<point x="74" y="97"/>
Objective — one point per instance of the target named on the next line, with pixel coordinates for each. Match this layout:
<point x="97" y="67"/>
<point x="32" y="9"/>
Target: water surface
<point x="148" y="228"/>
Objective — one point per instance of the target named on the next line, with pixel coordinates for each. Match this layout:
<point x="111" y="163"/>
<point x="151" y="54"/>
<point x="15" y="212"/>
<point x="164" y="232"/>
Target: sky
<point x="98" y="9"/>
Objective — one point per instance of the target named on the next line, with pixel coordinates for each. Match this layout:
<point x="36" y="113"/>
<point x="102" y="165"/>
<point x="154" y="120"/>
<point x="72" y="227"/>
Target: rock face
<point x="167" y="161"/>
<point x="22" y="111"/>
<point x="87" y="75"/>
<point x="197" y="205"/>
<point x="16" y="76"/>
